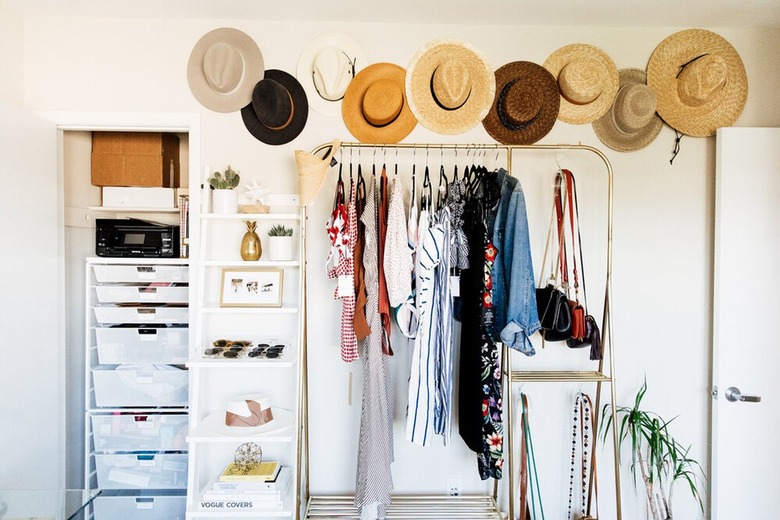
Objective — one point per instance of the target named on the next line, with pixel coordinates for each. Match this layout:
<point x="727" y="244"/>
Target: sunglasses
<point x="266" y="350"/>
<point x="233" y="349"/>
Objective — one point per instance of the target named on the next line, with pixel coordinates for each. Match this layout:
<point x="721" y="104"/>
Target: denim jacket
<point x="514" y="290"/>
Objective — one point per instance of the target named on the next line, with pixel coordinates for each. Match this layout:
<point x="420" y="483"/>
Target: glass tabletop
<point x="45" y="504"/>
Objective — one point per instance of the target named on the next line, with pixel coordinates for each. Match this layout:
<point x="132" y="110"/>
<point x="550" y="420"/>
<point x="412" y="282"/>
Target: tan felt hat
<point x="375" y="108"/>
<point x="312" y="171"/>
<point x="587" y="80"/>
<point x="223" y="69"/>
<point x="632" y="122"/>
<point x="526" y="104"/>
<point x="450" y="86"/>
<point x="326" y="67"/>
<point x="700" y="82"/>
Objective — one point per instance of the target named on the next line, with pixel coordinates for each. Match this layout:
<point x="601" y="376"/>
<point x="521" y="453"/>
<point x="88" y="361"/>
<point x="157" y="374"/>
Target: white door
<point x="746" y="325"/>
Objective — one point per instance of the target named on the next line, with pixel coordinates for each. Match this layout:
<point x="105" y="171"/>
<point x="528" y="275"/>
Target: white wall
<point x="662" y="233"/>
<point x="11" y="56"/>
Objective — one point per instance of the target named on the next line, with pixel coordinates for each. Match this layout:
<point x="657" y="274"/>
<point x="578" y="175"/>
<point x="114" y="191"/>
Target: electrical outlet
<point x="453" y="487"/>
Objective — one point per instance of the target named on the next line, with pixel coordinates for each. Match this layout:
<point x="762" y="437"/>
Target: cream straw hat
<point x="312" y="171"/>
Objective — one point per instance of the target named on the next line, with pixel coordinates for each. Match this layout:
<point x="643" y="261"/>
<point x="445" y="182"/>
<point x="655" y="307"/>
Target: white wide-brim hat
<point x="326" y="67"/>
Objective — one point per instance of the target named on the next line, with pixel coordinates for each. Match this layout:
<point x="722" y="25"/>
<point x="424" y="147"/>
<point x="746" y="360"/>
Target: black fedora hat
<point x="279" y="108"/>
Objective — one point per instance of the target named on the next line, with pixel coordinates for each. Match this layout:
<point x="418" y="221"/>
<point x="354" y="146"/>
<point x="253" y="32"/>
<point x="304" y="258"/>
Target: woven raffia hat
<point x="526" y="104"/>
<point x="375" y="108"/>
<point x="278" y="111"/>
<point x="312" y="171"/>
<point x="632" y="122"/>
<point x="700" y="82"/>
<point x="326" y="67"/>
<point x="587" y="80"/>
<point x="223" y="68"/>
<point x="450" y="86"/>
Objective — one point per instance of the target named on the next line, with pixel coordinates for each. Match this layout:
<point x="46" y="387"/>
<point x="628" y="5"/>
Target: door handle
<point x="734" y="395"/>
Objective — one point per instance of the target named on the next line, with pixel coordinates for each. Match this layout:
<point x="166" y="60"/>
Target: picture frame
<point x="251" y="287"/>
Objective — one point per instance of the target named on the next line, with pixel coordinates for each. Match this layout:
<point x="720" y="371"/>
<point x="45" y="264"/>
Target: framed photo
<point x="251" y="287"/>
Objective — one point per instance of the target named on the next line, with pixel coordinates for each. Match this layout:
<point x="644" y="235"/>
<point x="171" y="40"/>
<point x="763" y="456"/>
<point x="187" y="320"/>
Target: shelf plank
<point x="129" y="209"/>
<point x="257" y="263"/>
<point x="559" y="376"/>
<point x="284" y="362"/>
<point x="250" y="216"/>
<point x="248" y="310"/>
<point x="410" y="507"/>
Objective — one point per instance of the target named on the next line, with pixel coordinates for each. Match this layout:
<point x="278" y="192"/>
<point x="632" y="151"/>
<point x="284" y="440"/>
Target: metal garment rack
<point x="478" y="506"/>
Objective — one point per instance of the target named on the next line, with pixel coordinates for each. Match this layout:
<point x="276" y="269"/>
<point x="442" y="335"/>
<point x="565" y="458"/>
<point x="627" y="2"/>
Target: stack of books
<point x="261" y="489"/>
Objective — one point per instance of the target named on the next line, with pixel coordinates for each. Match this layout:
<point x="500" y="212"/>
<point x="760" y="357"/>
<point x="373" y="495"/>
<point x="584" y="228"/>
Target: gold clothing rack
<point x="482" y="507"/>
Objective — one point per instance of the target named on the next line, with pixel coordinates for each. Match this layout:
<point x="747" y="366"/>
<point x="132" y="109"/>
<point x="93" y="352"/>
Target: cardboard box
<point x="149" y="159"/>
<point x="133" y="197"/>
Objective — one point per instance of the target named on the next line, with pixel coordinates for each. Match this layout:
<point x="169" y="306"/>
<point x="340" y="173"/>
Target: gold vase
<point x="251" y="248"/>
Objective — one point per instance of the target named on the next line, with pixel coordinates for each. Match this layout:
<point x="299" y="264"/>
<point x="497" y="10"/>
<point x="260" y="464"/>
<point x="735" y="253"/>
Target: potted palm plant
<point x="224" y="195"/>
<point x="280" y="243"/>
<point x="657" y="458"/>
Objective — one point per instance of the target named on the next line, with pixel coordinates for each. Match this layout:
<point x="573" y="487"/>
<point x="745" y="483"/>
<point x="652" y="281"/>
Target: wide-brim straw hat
<point x="525" y="106"/>
<point x="326" y="67"/>
<point x="450" y="86"/>
<point x="312" y="171"/>
<point x="223" y="68"/>
<point x="587" y="80"/>
<point x="375" y="108"/>
<point x="278" y="111"/>
<point x="632" y="122"/>
<point x="700" y="82"/>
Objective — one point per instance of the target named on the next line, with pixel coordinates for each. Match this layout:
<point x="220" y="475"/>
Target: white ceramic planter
<point x="280" y="248"/>
<point x="224" y="201"/>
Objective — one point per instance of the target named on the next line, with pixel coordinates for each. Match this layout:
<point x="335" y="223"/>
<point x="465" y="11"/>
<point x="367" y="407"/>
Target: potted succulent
<point x="656" y="457"/>
<point x="280" y="243"/>
<point x="223" y="190"/>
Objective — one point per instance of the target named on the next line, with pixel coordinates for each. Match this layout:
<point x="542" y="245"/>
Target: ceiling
<point x="608" y="13"/>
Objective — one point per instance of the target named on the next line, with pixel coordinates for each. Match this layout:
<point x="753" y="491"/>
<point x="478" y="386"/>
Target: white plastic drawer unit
<point x="140" y="432"/>
<point x="119" y="344"/>
<point x="152" y="507"/>
<point x="141" y="273"/>
<point x="141" y="471"/>
<point x="140" y="385"/>
<point x="158" y="292"/>
<point x="140" y="314"/>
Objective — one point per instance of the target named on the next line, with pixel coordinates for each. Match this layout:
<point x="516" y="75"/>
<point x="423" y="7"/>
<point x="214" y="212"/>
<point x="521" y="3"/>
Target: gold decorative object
<point x="251" y="248"/>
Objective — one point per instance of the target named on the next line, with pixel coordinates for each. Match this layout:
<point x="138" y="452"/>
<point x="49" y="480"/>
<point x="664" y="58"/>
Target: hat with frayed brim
<point x="526" y="104"/>
<point x="375" y="108"/>
<point x="223" y="68"/>
<point x="450" y="86"/>
<point x="326" y="67"/>
<point x="700" y="82"/>
<point x="587" y="80"/>
<point x="632" y="122"/>
<point x="312" y="171"/>
<point x="278" y="111"/>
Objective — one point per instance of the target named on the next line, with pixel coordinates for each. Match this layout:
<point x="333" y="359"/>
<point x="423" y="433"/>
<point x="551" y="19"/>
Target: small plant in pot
<point x="280" y="243"/>
<point x="223" y="186"/>
<point x="657" y="458"/>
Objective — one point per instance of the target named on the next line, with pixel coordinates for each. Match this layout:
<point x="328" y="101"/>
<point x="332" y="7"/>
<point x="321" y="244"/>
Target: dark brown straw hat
<point x="279" y="109"/>
<point x="525" y="106"/>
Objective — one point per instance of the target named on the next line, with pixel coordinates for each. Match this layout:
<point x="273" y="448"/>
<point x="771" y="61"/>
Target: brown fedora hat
<point x="223" y="68"/>
<point x="375" y="108"/>
<point x="278" y="111"/>
<point x="700" y="81"/>
<point x="526" y="104"/>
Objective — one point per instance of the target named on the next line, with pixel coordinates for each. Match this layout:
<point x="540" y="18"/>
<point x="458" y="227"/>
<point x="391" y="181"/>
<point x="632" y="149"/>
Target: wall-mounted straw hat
<point x="278" y="111"/>
<point x="326" y="67"/>
<point x="223" y="68"/>
<point x="450" y="86"/>
<point x="632" y="122"/>
<point x="587" y="80"/>
<point x="700" y="82"/>
<point x="375" y="108"/>
<point x="526" y="104"/>
<point x="312" y="171"/>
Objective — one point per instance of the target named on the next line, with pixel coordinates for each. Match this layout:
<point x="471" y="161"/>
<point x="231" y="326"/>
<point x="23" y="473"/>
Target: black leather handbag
<point x="554" y="313"/>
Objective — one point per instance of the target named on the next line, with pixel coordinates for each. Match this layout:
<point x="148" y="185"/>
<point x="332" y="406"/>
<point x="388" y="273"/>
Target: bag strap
<point x="583" y="436"/>
<point x="593" y="500"/>
<point x="553" y="211"/>
<point x="536" y="493"/>
<point x="523" y="512"/>
<point x="575" y="213"/>
<point x="561" y="197"/>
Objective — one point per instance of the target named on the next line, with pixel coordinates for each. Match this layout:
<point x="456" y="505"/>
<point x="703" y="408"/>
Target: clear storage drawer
<point x="141" y="293"/>
<point x="141" y="314"/>
<point x="141" y="273"/>
<point x="140" y="385"/>
<point x="117" y="345"/>
<point x="148" y="471"/>
<point x="140" y="432"/>
<point x="145" y="507"/>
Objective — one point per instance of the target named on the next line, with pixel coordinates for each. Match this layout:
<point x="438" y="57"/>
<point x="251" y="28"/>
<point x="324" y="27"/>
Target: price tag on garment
<point x="455" y="285"/>
<point x="346" y="285"/>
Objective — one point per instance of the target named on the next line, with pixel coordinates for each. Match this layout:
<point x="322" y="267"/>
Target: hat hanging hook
<point x="559" y="156"/>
